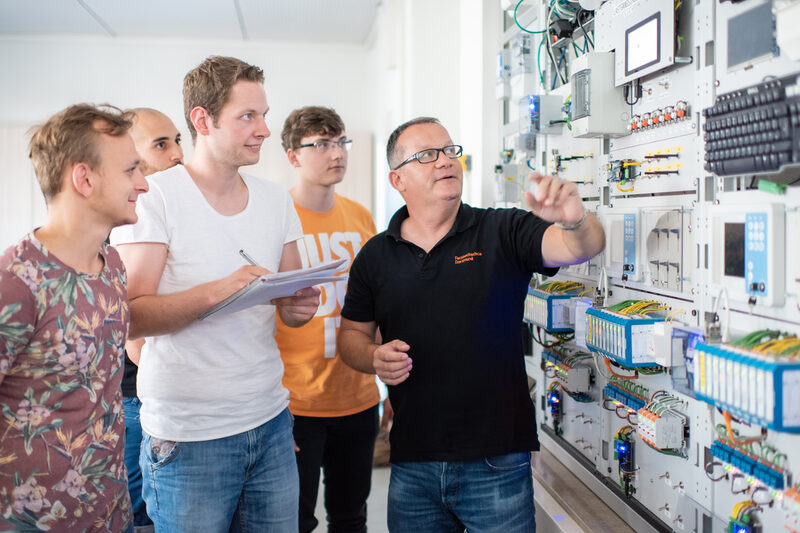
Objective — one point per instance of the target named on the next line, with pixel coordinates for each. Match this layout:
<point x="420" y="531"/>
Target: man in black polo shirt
<point x="446" y="283"/>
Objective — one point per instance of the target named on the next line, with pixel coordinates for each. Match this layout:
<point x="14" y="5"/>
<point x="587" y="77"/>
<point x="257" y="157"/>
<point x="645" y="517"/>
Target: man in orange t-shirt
<point x="335" y="407"/>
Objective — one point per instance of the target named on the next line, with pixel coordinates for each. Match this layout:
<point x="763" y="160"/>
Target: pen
<point x="248" y="258"/>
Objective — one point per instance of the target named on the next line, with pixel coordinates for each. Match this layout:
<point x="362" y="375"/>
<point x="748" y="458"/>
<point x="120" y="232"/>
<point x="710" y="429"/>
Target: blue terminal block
<point x="624" y="397"/>
<point x="623" y="338"/>
<point x="550" y="357"/>
<point x="551" y="311"/>
<point x="758" y="388"/>
<point x="750" y="466"/>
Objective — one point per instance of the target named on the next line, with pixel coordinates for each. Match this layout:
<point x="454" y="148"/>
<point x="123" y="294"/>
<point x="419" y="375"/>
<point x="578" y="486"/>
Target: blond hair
<point x="69" y="137"/>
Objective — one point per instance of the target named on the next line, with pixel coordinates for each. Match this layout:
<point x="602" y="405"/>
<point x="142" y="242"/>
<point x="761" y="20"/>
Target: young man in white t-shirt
<point x="217" y="453"/>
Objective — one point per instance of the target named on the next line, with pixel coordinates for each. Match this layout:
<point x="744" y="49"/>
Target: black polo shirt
<point x="460" y="308"/>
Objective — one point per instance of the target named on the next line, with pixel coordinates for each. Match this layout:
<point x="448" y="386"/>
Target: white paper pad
<point x="262" y="290"/>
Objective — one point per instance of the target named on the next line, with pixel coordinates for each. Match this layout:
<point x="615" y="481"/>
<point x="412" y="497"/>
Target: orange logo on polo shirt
<point x="467" y="257"/>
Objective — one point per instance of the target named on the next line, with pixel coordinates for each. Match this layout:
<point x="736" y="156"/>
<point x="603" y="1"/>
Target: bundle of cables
<point x="782" y="346"/>
<point x="570" y="14"/>
<point x="561" y="337"/>
<point x="637" y="307"/>
<point x="564" y="287"/>
<point x="635" y="389"/>
<point x="742" y="520"/>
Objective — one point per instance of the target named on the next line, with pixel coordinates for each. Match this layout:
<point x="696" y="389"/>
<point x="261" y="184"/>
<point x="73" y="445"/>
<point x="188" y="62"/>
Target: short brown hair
<point x="391" y="145"/>
<point x="209" y="85"/>
<point x="70" y="137"/>
<point x="310" y="120"/>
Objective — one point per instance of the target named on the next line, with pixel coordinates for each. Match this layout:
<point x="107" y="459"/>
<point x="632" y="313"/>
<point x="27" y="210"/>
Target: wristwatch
<point x="573" y="227"/>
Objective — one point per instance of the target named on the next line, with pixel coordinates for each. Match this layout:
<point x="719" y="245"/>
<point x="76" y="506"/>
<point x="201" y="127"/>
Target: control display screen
<point x="643" y="44"/>
<point x="734" y="249"/>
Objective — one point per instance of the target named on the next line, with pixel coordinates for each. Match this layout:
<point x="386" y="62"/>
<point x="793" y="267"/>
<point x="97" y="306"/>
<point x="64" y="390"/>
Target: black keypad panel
<point x="754" y="130"/>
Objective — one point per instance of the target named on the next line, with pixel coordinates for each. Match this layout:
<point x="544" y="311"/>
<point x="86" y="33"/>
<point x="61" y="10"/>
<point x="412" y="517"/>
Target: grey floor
<point x="376" y="504"/>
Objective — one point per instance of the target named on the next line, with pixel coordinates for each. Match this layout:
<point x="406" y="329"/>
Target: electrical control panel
<point x="598" y="108"/>
<point x="642" y="33"/>
<point x="749" y="259"/>
<point x="678" y="123"/>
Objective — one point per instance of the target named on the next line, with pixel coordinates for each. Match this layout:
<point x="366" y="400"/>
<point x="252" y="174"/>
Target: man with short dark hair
<point x="217" y="452"/>
<point x="63" y="324"/>
<point x="158" y="144"/>
<point x="446" y="284"/>
<point x="335" y="407"/>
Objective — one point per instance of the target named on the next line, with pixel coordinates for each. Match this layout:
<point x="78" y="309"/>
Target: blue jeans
<point x="494" y="494"/>
<point x="245" y="482"/>
<point x="133" y="443"/>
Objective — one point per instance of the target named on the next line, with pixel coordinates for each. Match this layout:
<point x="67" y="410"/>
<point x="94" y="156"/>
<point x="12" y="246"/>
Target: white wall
<point x="42" y="75"/>
<point x="422" y="58"/>
<point x="437" y="59"/>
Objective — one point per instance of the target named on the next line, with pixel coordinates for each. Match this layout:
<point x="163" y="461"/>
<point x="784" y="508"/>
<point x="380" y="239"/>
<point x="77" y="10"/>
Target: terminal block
<point x="571" y="378"/>
<point x="625" y="338"/>
<point x="664" y="431"/>
<point x="629" y="399"/>
<point x="751" y="466"/>
<point x="551" y="311"/>
<point x="791" y="509"/>
<point x="660" y="117"/>
<point x="755" y="387"/>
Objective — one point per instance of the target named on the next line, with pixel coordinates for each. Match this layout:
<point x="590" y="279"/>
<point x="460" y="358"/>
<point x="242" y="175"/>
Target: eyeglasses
<point x="323" y="145"/>
<point x="430" y="155"/>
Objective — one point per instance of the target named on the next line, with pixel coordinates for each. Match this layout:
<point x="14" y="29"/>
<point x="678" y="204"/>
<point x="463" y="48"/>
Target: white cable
<point x="726" y="332"/>
<point x="603" y="282"/>
<point x="597" y="366"/>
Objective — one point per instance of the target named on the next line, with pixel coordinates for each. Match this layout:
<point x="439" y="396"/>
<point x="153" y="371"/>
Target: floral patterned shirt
<point x="62" y="335"/>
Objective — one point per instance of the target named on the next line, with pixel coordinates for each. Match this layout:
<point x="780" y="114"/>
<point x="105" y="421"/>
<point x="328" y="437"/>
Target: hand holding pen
<point x="294" y="310"/>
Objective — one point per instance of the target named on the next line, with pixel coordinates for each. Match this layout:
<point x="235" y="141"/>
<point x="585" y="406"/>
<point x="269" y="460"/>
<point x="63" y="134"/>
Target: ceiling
<point x="339" y="21"/>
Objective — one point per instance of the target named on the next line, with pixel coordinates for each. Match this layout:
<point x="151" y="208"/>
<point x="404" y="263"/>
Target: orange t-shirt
<point x="319" y="382"/>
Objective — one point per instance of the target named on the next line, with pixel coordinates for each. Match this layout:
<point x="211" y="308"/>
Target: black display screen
<point x="734" y="249"/>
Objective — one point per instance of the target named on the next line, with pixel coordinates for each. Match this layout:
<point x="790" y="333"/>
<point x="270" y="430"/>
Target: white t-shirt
<point x="222" y="375"/>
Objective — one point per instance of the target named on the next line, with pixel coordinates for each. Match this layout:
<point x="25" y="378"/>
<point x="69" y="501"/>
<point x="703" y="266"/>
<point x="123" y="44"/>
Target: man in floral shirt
<point x="63" y="324"/>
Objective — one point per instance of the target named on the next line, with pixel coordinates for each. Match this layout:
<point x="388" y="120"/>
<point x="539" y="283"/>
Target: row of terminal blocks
<point x="553" y="312"/>
<point x="664" y="432"/>
<point x="791" y="507"/>
<point x="761" y="389"/>
<point x="628" y="399"/>
<point x="574" y="379"/>
<point x="659" y="117"/>
<point x="624" y="338"/>
<point x="749" y="465"/>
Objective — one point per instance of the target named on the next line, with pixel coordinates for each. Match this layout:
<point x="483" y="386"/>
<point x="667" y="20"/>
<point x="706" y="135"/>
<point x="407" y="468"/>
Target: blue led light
<point x="694" y="339"/>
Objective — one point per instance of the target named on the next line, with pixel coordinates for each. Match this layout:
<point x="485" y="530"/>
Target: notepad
<point x="262" y="290"/>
